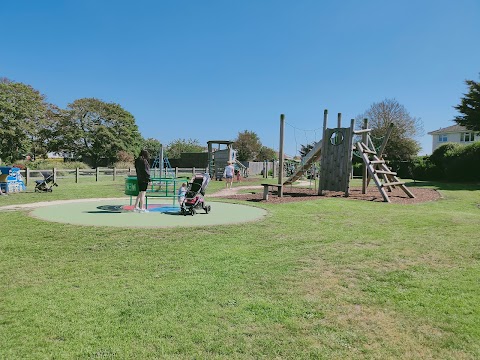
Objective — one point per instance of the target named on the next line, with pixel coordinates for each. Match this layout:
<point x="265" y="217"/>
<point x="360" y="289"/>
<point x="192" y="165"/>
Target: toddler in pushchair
<point x="46" y="184"/>
<point x="194" y="198"/>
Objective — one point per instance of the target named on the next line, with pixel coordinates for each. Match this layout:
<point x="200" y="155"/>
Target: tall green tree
<point x="153" y="146"/>
<point x="305" y="149"/>
<point x="266" y="153"/>
<point x="401" y="144"/>
<point x="179" y="146"/>
<point x="97" y="130"/>
<point x="23" y="115"/>
<point x="248" y="146"/>
<point x="469" y="107"/>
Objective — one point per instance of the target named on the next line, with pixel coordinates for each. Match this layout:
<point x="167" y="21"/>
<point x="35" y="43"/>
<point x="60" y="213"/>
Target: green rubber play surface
<point x="118" y="213"/>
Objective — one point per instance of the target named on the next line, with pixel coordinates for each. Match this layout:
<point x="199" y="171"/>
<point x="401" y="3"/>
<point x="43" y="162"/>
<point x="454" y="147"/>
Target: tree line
<point x="89" y="129"/>
<point x="93" y="130"/>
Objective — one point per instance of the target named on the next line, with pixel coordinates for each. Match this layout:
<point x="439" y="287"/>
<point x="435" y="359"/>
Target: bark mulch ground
<point x="290" y="194"/>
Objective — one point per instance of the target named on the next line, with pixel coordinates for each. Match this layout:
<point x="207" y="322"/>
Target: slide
<point x="312" y="156"/>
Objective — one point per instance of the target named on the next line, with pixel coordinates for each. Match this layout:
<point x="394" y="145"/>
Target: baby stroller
<point x="46" y="184"/>
<point x="194" y="196"/>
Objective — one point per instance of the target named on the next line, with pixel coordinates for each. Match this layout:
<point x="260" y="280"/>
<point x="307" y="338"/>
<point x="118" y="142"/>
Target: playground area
<point x="291" y="194"/>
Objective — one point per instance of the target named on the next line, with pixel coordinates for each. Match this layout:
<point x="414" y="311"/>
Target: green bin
<point x="131" y="186"/>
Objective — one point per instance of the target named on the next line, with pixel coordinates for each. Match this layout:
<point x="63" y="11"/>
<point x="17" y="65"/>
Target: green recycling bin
<point x="131" y="186"/>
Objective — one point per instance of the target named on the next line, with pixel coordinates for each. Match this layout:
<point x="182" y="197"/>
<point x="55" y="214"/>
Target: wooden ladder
<point x="382" y="175"/>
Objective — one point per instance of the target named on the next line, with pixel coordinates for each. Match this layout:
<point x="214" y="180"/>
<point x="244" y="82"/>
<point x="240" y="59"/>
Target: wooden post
<point x="193" y="171"/>
<point x="97" y="173"/>
<point x="54" y="175"/>
<point x="349" y="170"/>
<point x="280" y="166"/>
<point x="385" y="140"/>
<point x="176" y="171"/>
<point x="114" y="173"/>
<point x="27" y="175"/>
<point x="77" y="173"/>
<point x="364" y="167"/>
<point x="339" y="120"/>
<point x="211" y="170"/>
<point x="321" y="182"/>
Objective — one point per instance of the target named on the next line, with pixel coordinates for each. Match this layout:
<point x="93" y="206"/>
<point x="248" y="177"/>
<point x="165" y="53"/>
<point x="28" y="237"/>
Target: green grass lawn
<point x="322" y="279"/>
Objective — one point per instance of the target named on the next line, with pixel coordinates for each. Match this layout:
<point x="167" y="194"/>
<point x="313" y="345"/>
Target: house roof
<point x="449" y="129"/>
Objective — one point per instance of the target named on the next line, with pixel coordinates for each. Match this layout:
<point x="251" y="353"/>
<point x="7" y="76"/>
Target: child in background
<point x="182" y="192"/>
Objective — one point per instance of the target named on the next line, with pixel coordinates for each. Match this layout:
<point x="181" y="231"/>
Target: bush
<point x="49" y="164"/>
<point x="124" y="165"/>
<point x="461" y="163"/>
<point x="357" y="169"/>
<point x="423" y="169"/>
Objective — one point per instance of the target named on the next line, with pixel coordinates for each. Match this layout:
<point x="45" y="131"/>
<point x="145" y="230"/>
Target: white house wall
<point x="451" y="138"/>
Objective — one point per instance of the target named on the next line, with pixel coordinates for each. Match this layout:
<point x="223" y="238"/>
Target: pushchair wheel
<point x="193" y="212"/>
<point x="207" y="209"/>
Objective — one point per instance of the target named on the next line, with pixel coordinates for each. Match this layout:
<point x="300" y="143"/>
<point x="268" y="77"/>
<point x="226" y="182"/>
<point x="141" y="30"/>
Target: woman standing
<point x="228" y="174"/>
<point x="142" y="167"/>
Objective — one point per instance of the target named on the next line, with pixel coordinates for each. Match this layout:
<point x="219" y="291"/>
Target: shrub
<point x="461" y="163"/>
<point x="124" y="165"/>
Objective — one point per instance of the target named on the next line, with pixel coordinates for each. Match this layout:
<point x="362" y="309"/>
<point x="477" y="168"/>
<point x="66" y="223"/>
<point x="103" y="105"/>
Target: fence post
<point x="77" y="173"/>
<point x="27" y="175"/>
<point x="114" y="173"/>
<point x="176" y="171"/>
<point x="129" y="171"/>
<point x="54" y="175"/>
<point x="193" y="171"/>
<point x="97" y="173"/>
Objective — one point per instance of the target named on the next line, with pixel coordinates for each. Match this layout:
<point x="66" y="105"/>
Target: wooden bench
<point x="266" y="189"/>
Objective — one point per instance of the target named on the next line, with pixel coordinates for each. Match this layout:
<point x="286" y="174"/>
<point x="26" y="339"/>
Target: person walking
<point x="142" y="167"/>
<point x="228" y="174"/>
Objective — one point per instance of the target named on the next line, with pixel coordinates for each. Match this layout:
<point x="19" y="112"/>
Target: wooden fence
<point x="28" y="174"/>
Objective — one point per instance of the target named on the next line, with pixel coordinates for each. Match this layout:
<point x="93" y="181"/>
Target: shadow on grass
<point x="444" y="185"/>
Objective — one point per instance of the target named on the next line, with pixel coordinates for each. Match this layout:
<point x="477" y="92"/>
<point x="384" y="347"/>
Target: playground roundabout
<point x="117" y="212"/>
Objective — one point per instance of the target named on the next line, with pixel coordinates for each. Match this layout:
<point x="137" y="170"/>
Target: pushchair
<point x="46" y="184"/>
<point x="194" y="198"/>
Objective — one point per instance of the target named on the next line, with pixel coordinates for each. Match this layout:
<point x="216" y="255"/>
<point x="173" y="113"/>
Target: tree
<point x="179" y="146"/>
<point x="153" y="147"/>
<point x="470" y="107"/>
<point x="401" y="144"/>
<point x="305" y="149"/>
<point x="23" y="115"/>
<point x="248" y="146"/>
<point x="97" y="130"/>
<point x="266" y="153"/>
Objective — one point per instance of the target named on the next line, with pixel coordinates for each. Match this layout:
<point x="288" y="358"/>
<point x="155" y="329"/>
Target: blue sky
<point x="208" y="70"/>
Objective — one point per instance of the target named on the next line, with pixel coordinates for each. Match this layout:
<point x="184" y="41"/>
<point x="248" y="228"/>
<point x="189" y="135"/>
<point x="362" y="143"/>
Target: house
<point x="453" y="134"/>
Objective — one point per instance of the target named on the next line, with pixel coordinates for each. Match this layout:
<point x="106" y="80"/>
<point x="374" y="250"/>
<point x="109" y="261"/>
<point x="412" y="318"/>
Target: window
<point x="467" y="137"/>
<point x="442" y="138"/>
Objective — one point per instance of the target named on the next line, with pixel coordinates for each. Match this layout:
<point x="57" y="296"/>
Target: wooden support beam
<point x="393" y="183"/>
<point x="386" y="172"/>
<point x="358" y="132"/>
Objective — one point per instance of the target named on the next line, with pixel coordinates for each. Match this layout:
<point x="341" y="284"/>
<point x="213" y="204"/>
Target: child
<point x="181" y="194"/>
